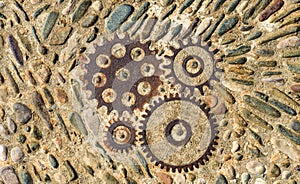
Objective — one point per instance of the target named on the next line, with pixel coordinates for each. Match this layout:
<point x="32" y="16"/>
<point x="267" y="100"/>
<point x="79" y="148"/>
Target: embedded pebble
<point x="41" y="109"/>
<point x="221" y="179"/>
<point x="11" y="125"/>
<point x="119" y="16"/>
<point x="235" y="146"/>
<point x="61" y="95"/>
<point x="293" y="41"/>
<point x="255" y="167"/>
<point x="60" y="36"/>
<point x="239" y="51"/>
<point x="287" y="148"/>
<point x="286" y="175"/>
<point x="295" y="125"/>
<point x="49" y="24"/>
<point x="53" y="161"/>
<point x="227" y="25"/>
<point x="23" y="113"/>
<point x="289" y="134"/>
<point x="81" y="10"/>
<point x="70" y="6"/>
<point x="274" y="170"/>
<point x="295" y="88"/>
<point x="26" y="177"/>
<point x="109" y="179"/>
<point x="72" y="173"/>
<point x="261" y="106"/>
<point x="229" y="172"/>
<point x="16" y="154"/>
<point x="4" y="132"/>
<point x="89" y="21"/>
<point x="164" y="178"/>
<point x="3" y="152"/>
<point x="15" y="49"/>
<point x="274" y="7"/>
<point x="245" y="177"/>
<point x="8" y="175"/>
<point x="77" y="122"/>
<point x="211" y="101"/>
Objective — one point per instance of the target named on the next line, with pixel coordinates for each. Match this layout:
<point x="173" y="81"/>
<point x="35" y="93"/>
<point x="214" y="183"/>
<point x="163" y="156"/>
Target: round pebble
<point x="255" y="167"/>
<point x="16" y="154"/>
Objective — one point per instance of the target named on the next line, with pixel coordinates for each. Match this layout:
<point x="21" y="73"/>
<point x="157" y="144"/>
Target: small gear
<point x="122" y="74"/>
<point x="120" y="135"/>
<point x="178" y="133"/>
<point x="193" y="65"/>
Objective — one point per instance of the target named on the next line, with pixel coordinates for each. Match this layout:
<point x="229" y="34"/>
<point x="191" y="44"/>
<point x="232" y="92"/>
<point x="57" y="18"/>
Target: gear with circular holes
<point x="120" y="135"/>
<point x="178" y="133"/>
<point x="122" y="74"/>
<point x="193" y="65"/>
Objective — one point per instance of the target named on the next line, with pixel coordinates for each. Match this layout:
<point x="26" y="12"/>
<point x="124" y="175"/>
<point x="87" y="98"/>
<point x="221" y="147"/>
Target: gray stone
<point x="89" y="21"/>
<point x="60" y="36"/>
<point x="23" y="113"/>
<point x="77" y="122"/>
<point x="16" y="154"/>
<point x="49" y="24"/>
<point x="119" y="16"/>
<point x="81" y="10"/>
<point x="11" y="125"/>
<point x="286" y="175"/>
<point x="245" y="177"/>
<point x="8" y="175"/>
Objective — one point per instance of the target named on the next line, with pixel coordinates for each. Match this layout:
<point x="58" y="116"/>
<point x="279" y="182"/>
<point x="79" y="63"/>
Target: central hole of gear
<point x="193" y="66"/>
<point x="178" y="132"/>
<point x="121" y="135"/>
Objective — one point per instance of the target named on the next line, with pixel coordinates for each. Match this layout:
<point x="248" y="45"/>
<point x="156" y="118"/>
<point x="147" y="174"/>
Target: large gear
<point x="120" y="135"/>
<point x="193" y="65"/>
<point x="122" y="74"/>
<point x="178" y="133"/>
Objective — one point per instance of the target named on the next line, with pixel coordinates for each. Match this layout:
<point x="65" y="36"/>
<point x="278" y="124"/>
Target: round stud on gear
<point x="120" y="136"/>
<point x="193" y="65"/>
<point x="122" y="74"/>
<point x="178" y="133"/>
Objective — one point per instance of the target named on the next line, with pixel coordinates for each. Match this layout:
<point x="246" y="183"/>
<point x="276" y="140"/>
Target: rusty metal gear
<point x="120" y="135"/>
<point x="122" y="74"/>
<point x="178" y="133"/>
<point x="193" y="65"/>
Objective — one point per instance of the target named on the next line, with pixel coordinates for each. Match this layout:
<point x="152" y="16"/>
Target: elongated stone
<point x="169" y="12"/>
<point x="212" y="29"/>
<point x="231" y="7"/>
<point x="287" y="148"/>
<point x="241" y="70"/>
<point x="41" y="108"/>
<point x="53" y="161"/>
<point x="270" y="73"/>
<point x="15" y="49"/>
<point x="274" y="7"/>
<point x="284" y="97"/>
<point x="49" y="24"/>
<point x="81" y="10"/>
<point x="295" y="88"/>
<point x="151" y="22"/>
<point x="256" y="119"/>
<point x="12" y="81"/>
<point x="119" y="16"/>
<point x="239" y="51"/>
<point x="25" y="42"/>
<point x="40" y="10"/>
<point x="241" y="60"/>
<point x="256" y="137"/>
<point x="141" y="11"/>
<point x="242" y="81"/>
<point x="144" y="163"/>
<point x="61" y="36"/>
<point x="284" y="14"/>
<point x="266" y="63"/>
<point x="72" y="173"/>
<point x="254" y="35"/>
<point x="185" y="5"/>
<point x="261" y="95"/>
<point x="289" y="134"/>
<point x="278" y="34"/>
<point x="26" y="177"/>
<point x="89" y="21"/>
<point x="110" y="179"/>
<point x="227" y="25"/>
<point x="218" y="4"/>
<point x="291" y="20"/>
<point x="77" y="122"/>
<point x="293" y="67"/>
<point x="291" y="53"/>
<point x="261" y="106"/>
<point x="283" y="107"/>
